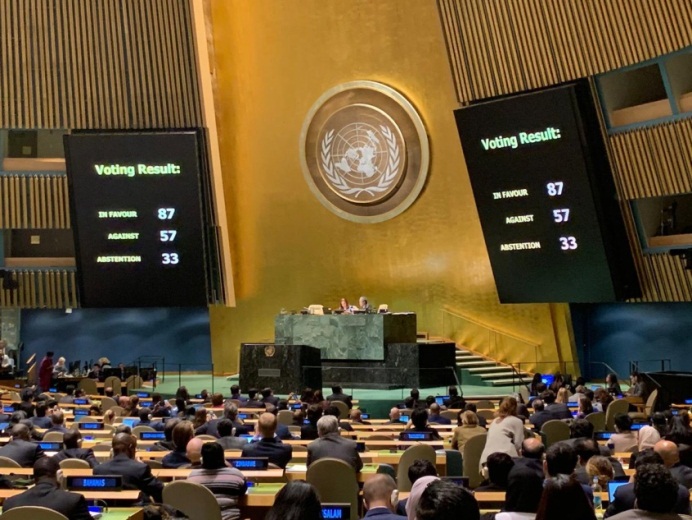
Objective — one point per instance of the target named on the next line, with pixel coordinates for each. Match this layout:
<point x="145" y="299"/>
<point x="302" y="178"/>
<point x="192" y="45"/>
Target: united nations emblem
<point x="269" y="351"/>
<point x="364" y="151"/>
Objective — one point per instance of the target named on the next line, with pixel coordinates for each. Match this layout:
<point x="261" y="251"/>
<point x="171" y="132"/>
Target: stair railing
<point x="495" y="336"/>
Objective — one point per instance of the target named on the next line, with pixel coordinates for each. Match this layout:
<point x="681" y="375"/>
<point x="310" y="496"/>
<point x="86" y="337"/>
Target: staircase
<point x="480" y="371"/>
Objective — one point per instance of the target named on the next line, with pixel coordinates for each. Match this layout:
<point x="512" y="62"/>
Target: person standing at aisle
<point x="45" y="372"/>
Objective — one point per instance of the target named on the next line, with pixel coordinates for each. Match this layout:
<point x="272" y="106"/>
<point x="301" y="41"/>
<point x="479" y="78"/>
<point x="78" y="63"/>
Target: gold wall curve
<point x="271" y="61"/>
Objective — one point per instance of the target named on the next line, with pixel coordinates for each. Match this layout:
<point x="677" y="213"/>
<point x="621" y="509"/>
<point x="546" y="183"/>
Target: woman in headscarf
<point x="416" y="492"/>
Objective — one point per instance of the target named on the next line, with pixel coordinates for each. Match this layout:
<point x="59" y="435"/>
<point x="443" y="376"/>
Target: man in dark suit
<point x="435" y="417"/>
<point x="136" y="475"/>
<point x="145" y="415"/>
<point x="670" y="453"/>
<point x="656" y="493"/>
<point x="625" y="497"/>
<point x="357" y="417"/>
<point x="230" y="412"/>
<point x="47" y="493"/>
<point x="339" y="395"/>
<point x="556" y="410"/>
<point x="269" y="445"/>
<point x="57" y="420"/>
<point x="39" y="420"/>
<point x="20" y="449"/>
<point x="532" y="451"/>
<point x="331" y="444"/>
<point x="455" y="402"/>
<point x="236" y="395"/>
<point x="252" y="401"/>
<point x="72" y="441"/>
<point x="539" y="416"/>
<point x="226" y="437"/>
<point x="379" y="495"/>
<point x="395" y="416"/>
<point x="268" y="397"/>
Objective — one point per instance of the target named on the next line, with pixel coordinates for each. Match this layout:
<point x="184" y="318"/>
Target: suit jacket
<point x="272" y="399"/>
<point x="253" y="403"/>
<point x="157" y="425"/>
<point x="456" y="402"/>
<point x="25" y="453"/>
<point x="538" y="419"/>
<point x="25" y="407"/>
<point x="136" y="475"/>
<point x="522" y="464"/>
<point x="212" y="428"/>
<point x="232" y="443"/>
<point x="86" y="454"/>
<point x="47" y="494"/>
<point x="276" y="451"/>
<point x="309" y="432"/>
<point x="382" y="513"/>
<point x="438" y="419"/>
<point x="341" y="397"/>
<point x="337" y="447"/>
<point x="624" y="501"/>
<point x="175" y="459"/>
<point x="60" y="429"/>
<point x="282" y="432"/>
<point x="559" y="411"/>
<point x="682" y="474"/>
<point x="41" y="422"/>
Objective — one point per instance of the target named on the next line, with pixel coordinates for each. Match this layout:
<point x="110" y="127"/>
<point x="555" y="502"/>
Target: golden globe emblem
<point x="364" y="151"/>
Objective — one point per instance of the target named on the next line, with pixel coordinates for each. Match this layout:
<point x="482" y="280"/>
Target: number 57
<point x="561" y="215"/>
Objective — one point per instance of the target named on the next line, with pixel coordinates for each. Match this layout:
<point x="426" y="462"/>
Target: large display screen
<point x="137" y="218"/>
<point x="546" y="197"/>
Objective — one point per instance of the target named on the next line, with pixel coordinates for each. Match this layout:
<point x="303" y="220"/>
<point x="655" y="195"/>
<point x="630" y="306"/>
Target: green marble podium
<point x="346" y="336"/>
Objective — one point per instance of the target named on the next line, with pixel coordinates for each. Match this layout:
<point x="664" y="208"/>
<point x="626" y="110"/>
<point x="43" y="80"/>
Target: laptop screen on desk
<point x="612" y="486"/>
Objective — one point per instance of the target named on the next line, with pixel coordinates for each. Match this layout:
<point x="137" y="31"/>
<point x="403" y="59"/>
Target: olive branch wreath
<point x="385" y="181"/>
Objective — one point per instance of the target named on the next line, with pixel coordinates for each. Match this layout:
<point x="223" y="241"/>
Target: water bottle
<point x="596" y="488"/>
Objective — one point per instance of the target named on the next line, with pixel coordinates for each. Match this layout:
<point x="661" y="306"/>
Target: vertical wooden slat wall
<point x="105" y="64"/>
<point x="34" y="201"/>
<point x="83" y="64"/>
<point x="501" y="47"/>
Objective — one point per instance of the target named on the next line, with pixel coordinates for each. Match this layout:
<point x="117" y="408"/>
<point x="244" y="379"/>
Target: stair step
<point x="504" y="375"/>
<point x="508" y="382"/>
<point x="471" y="358"/>
<point x="464" y="353"/>
<point x="464" y="364"/>
<point x="496" y="368"/>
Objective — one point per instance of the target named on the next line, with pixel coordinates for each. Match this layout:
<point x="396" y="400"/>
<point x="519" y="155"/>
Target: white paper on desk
<point x="297" y="467"/>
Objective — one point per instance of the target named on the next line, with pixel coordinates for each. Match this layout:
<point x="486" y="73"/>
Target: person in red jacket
<point x="45" y="372"/>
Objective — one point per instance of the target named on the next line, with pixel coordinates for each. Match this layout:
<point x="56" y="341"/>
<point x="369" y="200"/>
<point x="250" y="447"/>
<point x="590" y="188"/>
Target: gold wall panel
<point x="272" y="60"/>
<point x="654" y="161"/>
<point x="34" y="202"/>
<point x="41" y="289"/>
<point x="503" y="46"/>
<point x="97" y="64"/>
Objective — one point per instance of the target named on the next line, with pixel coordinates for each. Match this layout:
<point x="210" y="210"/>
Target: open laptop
<point x="612" y="486"/>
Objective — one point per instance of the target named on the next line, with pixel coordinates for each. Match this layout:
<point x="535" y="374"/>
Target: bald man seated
<point x="136" y="475"/>
<point x="193" y="451"/>
<point x="670" y="453"/>
<point x="20" y="449"/>
<point x="395" y="416"/>
<point x="47" y="493"/>
<point x="269" y="445"/>
<point x="380" y="498"/>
